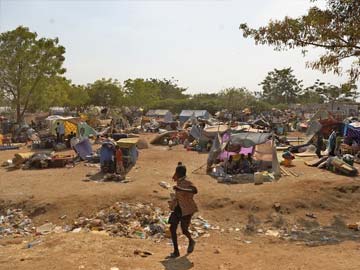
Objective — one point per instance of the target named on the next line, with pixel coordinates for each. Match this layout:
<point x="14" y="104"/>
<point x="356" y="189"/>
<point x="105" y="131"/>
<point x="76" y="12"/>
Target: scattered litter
<point x="277" y="206"/>
<point x="58" y="229"/>
<point x="92" y="165"/>
<point x="354" y="226"/>
<point x="164" y="184"/>
<point x="137" y="220"/>
<point x="45" y="228"/>
<point x="141" y="253"/>
<point x="15" y="223"/>
<point x="273" y="233"/>
<point x="33" y="243"/>
<point x="311" y="215"/>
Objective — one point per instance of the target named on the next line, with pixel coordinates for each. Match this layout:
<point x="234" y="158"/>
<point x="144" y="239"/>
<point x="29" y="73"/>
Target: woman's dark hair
<point x="180" y="171"/>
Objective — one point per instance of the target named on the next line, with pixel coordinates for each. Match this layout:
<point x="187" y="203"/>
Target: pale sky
<point x="196" y="42"/>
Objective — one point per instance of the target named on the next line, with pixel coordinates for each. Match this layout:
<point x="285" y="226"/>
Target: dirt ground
<point x="49" y="194"/>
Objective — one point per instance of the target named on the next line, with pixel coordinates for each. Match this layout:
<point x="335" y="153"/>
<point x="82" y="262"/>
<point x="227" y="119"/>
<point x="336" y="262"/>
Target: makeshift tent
<point x="207" y="133"/>
<point x="352" y="133"/>
<point x="186" y="114"/>
<point x="83" y="148"/>
<point x="165" y="115"/>
<point x="129" y="149"/>
<point x="211" y="131"/>
<point x="264" y="148"/>
<point x="323" y="121"/>
<point x="71" y="124"/>
<point x="247" y="139"/>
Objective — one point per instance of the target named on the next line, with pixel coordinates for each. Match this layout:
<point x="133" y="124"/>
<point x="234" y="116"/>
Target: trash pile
<point x="135" y="220"/>
<point x="306" y="230"/>
<point x="15" y="223"/>
<point x="132" y="220"/>
<point x="316" y="235"/>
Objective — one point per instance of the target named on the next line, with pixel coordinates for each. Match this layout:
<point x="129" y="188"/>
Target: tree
<point x="105" y="92"/>
<point x="25" y="61"/>
<point x="168" y="88"/>
<point x="54" y="92"/>
<point x="332" y="93"/>
<point x="310" y="96"/>
<point x="235" y="99"/>
<point x="141" y="93"/>
<point x="281" y="86"/>
<point x="335" y="29"/>
<point x="77" y="97"/>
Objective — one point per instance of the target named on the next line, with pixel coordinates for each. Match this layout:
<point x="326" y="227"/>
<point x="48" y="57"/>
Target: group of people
<point x="244" y="164"/>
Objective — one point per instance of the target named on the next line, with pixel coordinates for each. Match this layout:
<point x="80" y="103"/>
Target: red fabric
<point x="119" y="155"/>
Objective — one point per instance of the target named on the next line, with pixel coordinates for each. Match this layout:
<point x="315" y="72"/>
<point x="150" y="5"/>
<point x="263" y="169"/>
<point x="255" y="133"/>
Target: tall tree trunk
<point x="18" y="109"/>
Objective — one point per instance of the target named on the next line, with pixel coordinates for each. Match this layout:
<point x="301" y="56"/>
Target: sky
<point x="196" y="42"/>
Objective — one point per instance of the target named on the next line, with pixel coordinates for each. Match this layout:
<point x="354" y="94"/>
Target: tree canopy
<point x="31" y="79"/>
<point x="330" y="93"/>
<point x="105" y="92"/>
<point x="25" y="61"/>
<point x="149" y="92"/>
<point x="336" y="29"/>
<point x="281" y="86"/>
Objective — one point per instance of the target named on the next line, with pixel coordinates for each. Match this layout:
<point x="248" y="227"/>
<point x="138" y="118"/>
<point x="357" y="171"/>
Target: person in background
<point x="119" y="160"/>
<point x="231" y="166"/>
<point x="338" y="142"/>
<point x="170" y="144"/>
<point x="251" y="162"/>
<point x="183" y="207"/>
<point x="319" y="144"/>
<point x="60" y="132"/>
<point x="69" y="137"/>
<point x="332" y="143"/>
<point x="250" y="159"/>
<point x="186" y="143"/>
<point x="33" y="124"/>
<point x="244" y="165"/>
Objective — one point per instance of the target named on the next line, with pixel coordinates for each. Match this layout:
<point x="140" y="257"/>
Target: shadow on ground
<point x="181" y="263"/>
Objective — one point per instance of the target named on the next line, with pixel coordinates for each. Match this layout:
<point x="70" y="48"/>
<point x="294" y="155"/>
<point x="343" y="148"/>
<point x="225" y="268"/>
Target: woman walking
<point x="183" y="207"/>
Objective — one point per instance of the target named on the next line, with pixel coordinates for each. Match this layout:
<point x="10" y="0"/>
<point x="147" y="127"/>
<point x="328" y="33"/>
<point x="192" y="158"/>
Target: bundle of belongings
<point x="288" y="157"/>
<point x="343" y="165"/>
<point x="151" y="126"/>
<point x="170" y="138"/>
<point x="40" y="160"/>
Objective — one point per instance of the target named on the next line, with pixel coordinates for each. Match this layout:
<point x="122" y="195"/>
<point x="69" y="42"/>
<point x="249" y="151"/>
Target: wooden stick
<point x="294" y="173"/>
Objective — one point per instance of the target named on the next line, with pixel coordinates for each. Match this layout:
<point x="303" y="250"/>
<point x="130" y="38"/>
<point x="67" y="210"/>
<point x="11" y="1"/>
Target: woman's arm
<point x="191" y="189"/>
